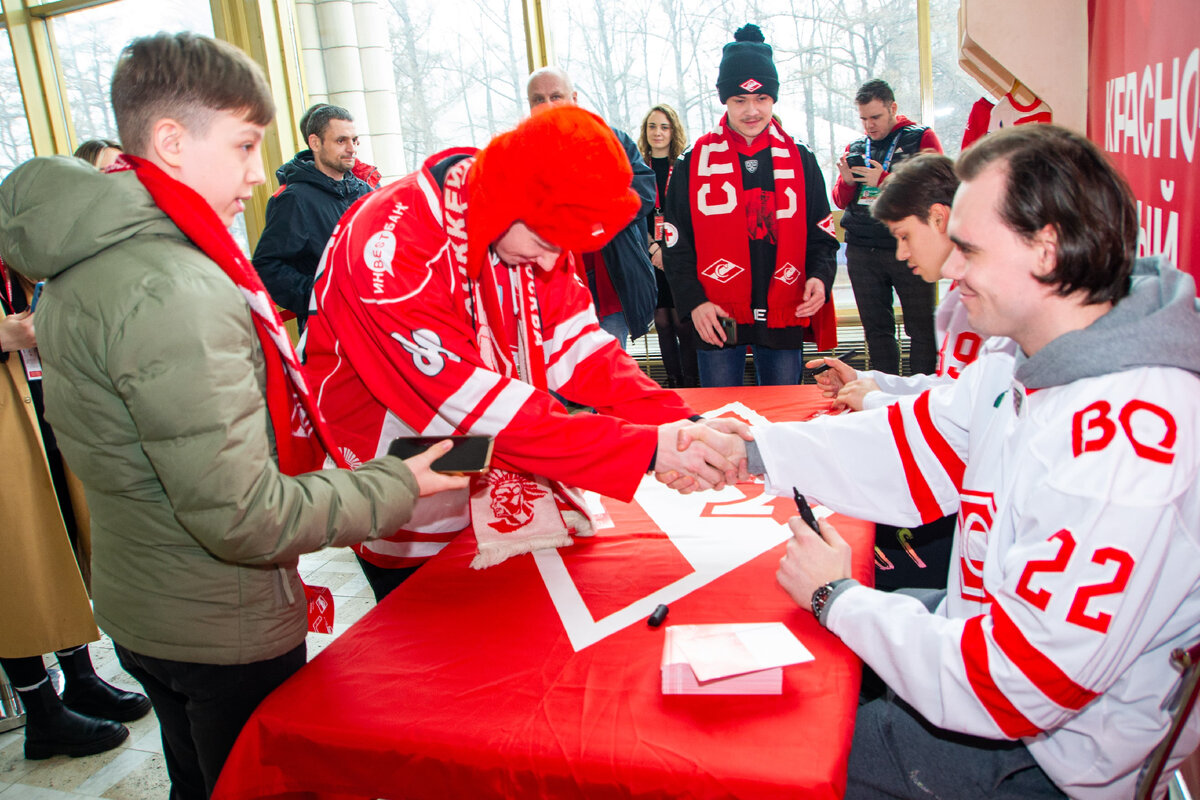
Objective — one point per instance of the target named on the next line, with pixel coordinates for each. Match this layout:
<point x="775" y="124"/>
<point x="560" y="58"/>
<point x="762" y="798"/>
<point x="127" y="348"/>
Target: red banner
<point x="1143" y="109"/>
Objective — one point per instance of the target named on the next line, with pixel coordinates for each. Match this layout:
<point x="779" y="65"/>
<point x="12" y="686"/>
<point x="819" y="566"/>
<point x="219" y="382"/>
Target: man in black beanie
<point x="750" y="240"/>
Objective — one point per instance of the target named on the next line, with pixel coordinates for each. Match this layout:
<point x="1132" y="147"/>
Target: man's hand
<point x="428" y="481"/>
<point x="696" y="459"/>
<point x="706" y="319"/>
<point x="725" y="435"/>
<point x="16" y="332"/>
<point x="854" y="393"/>
<point x="833" y="379"/>
<point x="871" y="175"/>
<point x="844" y="170"/>
<point x="814" y="298"/>
<point x="812" y="561"/>
<point x="656" y="254"/>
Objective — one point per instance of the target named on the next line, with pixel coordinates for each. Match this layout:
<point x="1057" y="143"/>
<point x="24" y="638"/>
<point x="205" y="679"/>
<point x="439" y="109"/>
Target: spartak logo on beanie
<point x="751" y="85"/>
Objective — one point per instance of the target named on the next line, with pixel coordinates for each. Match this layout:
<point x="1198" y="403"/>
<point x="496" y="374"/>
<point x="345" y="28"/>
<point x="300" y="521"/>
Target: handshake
<point x="702" y="455"/>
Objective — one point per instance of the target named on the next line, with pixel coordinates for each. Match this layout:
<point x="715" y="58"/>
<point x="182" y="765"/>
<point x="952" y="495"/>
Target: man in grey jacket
<point x="179" y="403"/>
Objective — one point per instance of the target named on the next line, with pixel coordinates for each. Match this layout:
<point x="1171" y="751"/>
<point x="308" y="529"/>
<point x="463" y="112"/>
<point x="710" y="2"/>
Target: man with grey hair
<point x="620" y="275"/>
<point x="315" y="189"/>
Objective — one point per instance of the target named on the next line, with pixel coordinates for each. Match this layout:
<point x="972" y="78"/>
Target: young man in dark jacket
<point x="315" y="189"/>
<point x="749" y="235"/>
<point x="870" y="249"/>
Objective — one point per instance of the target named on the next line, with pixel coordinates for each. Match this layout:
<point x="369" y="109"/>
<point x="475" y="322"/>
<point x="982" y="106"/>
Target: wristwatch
<point x="821" y="596"/>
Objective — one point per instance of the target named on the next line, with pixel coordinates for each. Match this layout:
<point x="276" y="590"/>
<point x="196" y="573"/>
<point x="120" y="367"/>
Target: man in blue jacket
<point x="315" y="189"/>
<point x="620" y="275"/>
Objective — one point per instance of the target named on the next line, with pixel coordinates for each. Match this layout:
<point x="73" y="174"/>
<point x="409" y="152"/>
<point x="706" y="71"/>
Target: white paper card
<point x="736" y="649"/>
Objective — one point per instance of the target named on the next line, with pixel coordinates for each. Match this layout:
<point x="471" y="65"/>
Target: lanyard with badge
<point x="29" y="356"/>
<point x="869" y="193"/>
<point x="659" y="219"/>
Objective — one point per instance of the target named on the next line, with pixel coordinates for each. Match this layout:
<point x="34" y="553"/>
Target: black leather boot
<point x="53" y="729"/>
<point x="93" y="697"/>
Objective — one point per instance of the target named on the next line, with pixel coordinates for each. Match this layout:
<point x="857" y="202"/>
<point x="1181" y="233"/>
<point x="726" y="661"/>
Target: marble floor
<point x="135" y="770"/>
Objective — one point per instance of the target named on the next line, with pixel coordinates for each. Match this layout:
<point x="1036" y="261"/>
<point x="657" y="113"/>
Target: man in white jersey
<point x="1044" y="669"/>
<point x="915" y="205"/>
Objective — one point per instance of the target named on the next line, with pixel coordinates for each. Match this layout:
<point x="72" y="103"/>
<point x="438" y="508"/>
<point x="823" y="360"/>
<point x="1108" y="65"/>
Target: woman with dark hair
<point x="661" y="141"/>
<point x="98" y="152"/>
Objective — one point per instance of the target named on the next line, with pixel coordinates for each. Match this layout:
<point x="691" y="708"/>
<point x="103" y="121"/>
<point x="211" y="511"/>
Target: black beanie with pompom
<point x="747" y="66"/>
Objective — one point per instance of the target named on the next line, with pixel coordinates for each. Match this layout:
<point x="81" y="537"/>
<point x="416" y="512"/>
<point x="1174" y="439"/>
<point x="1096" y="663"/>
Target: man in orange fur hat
<point x="449" y="304"/>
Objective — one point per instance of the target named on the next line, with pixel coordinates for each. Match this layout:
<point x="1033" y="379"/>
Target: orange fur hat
<point x="562" y="172"/>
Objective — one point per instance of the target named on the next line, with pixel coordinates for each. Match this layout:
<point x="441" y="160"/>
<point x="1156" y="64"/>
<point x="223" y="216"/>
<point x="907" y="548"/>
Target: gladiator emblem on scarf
<point x="512" y="497"/>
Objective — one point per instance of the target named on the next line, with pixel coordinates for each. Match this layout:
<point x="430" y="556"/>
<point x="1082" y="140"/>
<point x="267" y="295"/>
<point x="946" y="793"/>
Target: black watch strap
<point x="821" y="596"/>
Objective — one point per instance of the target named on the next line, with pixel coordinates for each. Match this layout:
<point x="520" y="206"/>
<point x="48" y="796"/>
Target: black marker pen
<point x="843" y="357"/>
<point x="805" y="512"/>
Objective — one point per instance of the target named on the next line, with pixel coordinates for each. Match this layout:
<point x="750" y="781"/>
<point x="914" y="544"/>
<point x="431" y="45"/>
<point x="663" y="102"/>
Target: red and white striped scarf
<point x="511" y="513"/>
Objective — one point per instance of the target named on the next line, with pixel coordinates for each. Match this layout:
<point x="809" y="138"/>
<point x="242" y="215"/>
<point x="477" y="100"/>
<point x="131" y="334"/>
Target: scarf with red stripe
<point x="722" y="224"/>
<point x="511" y="513"/>
<point x="301" y="438"/>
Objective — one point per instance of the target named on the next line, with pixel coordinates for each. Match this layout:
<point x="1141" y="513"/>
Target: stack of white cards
<point x="743" y="658"/>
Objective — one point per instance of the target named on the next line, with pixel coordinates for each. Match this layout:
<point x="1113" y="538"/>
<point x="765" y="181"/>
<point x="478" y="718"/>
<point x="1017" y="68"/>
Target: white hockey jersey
<point x="1076" y="567"/>
<point x="958" y="345"/>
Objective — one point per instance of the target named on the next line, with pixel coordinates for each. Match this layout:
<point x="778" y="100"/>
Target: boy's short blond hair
<point x="186" y="77"/>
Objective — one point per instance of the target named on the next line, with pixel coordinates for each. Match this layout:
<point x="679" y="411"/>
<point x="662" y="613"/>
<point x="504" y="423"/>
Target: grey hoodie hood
<point x="1156" y="325"/>
<point x="58" y="211"/>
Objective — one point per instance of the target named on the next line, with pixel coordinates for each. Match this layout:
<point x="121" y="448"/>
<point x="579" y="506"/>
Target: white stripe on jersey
<point x="580" y="349"/>
<point x="565" y="331"/>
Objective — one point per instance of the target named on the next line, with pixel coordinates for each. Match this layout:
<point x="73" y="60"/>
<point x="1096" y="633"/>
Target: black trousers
<point x="874" y="275"/>
<point x="201" y="709"/>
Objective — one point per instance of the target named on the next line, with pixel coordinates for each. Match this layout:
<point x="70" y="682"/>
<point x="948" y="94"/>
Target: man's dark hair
<point x="916" y="186"/>
<point x="186" y="77"/>
<point x="874" y="89"/>
<point x="1058" y="178"/>
<point x="303" y="124"/>
<point x="90" y="150"/>
<point x="319" y="117"/>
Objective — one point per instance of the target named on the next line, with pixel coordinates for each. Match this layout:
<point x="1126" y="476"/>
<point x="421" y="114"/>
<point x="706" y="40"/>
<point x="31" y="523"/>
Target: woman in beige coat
<point x="45" y="604"/>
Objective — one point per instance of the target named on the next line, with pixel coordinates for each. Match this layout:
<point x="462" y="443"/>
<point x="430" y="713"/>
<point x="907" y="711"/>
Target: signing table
<point x="540" y="678"/>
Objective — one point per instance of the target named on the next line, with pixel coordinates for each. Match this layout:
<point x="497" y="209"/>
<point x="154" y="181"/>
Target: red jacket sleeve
<point x="843" y="193"/>
<point x="404" y="334"/>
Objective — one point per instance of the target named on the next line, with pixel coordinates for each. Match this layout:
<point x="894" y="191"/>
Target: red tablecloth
<point x="539" y="677"/>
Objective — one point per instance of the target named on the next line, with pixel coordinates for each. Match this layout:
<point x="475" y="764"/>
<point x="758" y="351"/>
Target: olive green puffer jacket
<point x="154" y="384"/>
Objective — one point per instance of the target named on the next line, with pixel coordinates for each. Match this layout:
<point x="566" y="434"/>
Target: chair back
<point x="1181" y="702"/>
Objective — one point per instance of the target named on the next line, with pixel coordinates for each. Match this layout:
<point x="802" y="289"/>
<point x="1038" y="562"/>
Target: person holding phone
<point x="875" y="272"/>
<point x="179" y="401"/>
<point x="750" y="240"/>
<point x="449" y="303"/>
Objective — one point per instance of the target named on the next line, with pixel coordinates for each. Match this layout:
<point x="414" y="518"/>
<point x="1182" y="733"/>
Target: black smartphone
<point x="469" y="454"/>
<point x="37" y="293"/>
<point x="729" y="325"/>
<point x="856" y="160"/>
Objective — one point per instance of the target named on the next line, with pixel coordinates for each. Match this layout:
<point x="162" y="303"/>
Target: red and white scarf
<point x="511" y="513"/>
<point x="301" y="437"/>
<point x="720" y="224"/>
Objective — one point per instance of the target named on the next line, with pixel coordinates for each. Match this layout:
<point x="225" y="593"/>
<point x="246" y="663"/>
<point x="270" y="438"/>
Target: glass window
<point x="16" y="144"/>
<point x="460" y="71"/>
<point x="623" y="63"/>
<point x="89" y="42"/>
